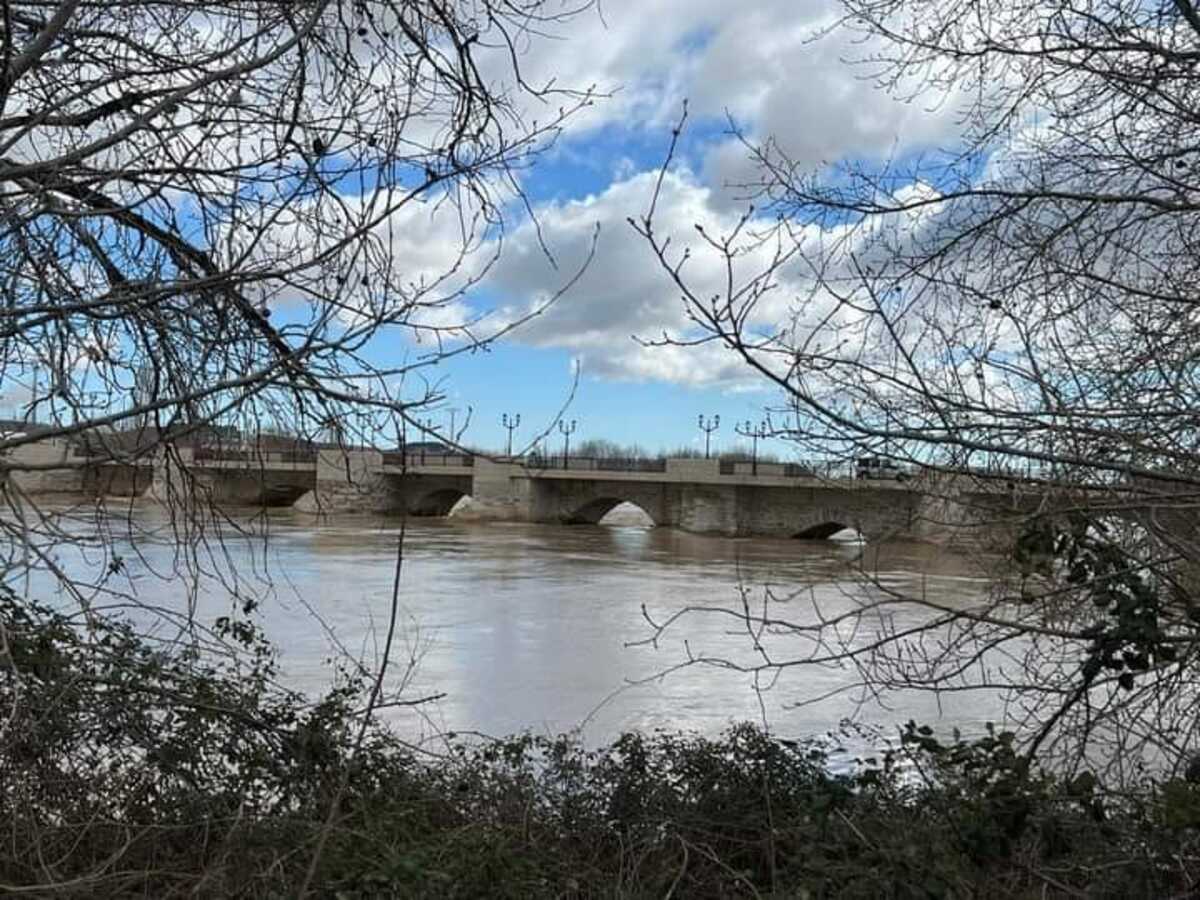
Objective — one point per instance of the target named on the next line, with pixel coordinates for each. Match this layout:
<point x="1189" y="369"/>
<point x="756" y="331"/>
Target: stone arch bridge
<point x="696" y="495"/>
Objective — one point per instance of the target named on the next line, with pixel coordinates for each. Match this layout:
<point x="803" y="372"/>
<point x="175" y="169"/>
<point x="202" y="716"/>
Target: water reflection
<point x="527" y="626"/>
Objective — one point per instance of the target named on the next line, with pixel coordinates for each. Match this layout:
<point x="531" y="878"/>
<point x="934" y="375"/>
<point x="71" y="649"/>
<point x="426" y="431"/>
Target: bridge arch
<point x="260" y="489"/>
<point x="586" y="501"/>
<point x="438" y="502"/>
<point x="592" y="511"/>
<point x="822" y="531"/>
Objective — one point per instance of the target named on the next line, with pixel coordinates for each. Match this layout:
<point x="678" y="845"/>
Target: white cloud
<point x="767" y="68"/>
<point x="762" y="66"/>
<point x="769" y="65"/>
<point x="625" y="295"/>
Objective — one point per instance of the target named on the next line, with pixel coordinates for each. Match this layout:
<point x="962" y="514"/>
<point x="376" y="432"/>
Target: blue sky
<point x="759" y="65"/>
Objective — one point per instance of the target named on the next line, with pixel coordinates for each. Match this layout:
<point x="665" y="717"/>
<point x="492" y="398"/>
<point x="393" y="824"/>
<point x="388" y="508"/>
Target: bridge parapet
<point x="595" y="464"/>
<point x="835" y="469"/>
<point x="395" y="461"/>
<point x="43" y="466"/>
<point x="252" y="458"/>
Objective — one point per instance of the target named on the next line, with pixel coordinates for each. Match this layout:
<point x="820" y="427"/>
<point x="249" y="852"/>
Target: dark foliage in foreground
<point x="129" y="770"/>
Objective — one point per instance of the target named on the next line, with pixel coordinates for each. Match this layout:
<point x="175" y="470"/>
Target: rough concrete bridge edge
<point x="696" y="495"/>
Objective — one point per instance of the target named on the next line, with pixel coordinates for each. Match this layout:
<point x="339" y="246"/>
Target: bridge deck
<point x="764" y="479"/>
<point x="653" y="471"/>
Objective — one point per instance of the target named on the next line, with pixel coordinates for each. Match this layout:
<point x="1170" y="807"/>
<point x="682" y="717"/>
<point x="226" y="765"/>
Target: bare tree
<point x="213" y="216"/>
<point x="1018" y="309"/>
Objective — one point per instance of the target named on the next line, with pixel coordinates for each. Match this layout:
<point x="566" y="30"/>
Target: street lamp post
<point x="426" y="431"/>
<point x="708" y="428"/>
<point x="333" y="428"/>
<point x="754" y="432"/>
<point x="567" y="431"/>
<point x="511" y="423"/>
<point x="33" y="394"/>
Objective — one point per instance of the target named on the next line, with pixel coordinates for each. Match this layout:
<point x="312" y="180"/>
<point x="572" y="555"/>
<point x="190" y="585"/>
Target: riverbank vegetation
<point x="136" y="769"/>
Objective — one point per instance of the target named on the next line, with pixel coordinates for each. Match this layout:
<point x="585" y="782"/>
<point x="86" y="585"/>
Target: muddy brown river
<point x="531" y="627"/>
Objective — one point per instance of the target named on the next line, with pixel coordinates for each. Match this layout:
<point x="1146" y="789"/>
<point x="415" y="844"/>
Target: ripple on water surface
<point x="530" y="626"/>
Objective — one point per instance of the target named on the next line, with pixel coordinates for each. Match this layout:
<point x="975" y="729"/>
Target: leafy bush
<point x="128" y="768"/>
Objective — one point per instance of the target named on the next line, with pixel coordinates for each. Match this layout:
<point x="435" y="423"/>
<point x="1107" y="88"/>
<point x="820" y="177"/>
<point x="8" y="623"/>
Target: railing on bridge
<point x="833" y="469"/>
<point x="595" y="464"/>
<point x="257" y="457"/>
<point x="403" y="460"/>
<point x="1017" y="473"/>
<point x="117" y="449"/>
<point x="107" y="451"/>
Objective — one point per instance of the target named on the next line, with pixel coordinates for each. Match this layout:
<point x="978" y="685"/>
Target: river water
<point x="544" y="628"/>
